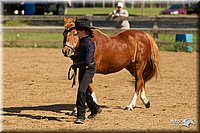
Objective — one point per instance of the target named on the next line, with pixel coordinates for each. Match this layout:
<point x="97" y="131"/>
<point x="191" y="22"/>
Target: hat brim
<point x="81" y="28"/>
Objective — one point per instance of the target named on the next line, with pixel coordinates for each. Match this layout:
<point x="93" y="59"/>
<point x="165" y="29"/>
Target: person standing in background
<point x="120" y="12"/>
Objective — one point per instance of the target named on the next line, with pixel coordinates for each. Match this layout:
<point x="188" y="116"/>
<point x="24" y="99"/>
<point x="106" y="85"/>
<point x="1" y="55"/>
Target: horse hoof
<point x="128" y="108"/>
<point x="148" y="104"/>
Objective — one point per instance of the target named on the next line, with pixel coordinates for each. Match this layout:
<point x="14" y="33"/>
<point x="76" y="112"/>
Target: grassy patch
<point x="15" y="23"/>
<point x="104" y="11"/>
<point x="47" y="40"/>
<point x="54" y="40"/>
<point x="85" y="11"/>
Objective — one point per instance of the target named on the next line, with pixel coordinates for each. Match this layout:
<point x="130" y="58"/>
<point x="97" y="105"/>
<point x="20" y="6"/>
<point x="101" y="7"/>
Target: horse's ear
<point x="76" y="18"/>
<point x="65" y="20"/>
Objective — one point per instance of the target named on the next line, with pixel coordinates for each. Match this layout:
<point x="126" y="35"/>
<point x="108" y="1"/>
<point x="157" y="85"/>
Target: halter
<point x="73" y="49"/>
<point x="68" y="31"/>
<point x="73" y="75"/>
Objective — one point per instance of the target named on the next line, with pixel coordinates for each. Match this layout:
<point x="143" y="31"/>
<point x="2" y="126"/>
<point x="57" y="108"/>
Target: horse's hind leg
<point x="137" y="71"/>
<point x="147" y="75"/>
<point x="144" y="98"/>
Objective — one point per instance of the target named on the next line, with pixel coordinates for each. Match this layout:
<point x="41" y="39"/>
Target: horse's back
<point x="134" y="38"/>
<point x="132" y="32"/>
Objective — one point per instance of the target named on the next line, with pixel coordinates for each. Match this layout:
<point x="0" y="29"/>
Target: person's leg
<point x="81" y="96"/>
<point x="90" y="102"/>
<point x="94" y="108"/>
<point x="85" y="79"/>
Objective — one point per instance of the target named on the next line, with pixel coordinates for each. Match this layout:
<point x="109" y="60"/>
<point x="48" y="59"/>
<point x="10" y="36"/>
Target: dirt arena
<point x="38" y="97"/>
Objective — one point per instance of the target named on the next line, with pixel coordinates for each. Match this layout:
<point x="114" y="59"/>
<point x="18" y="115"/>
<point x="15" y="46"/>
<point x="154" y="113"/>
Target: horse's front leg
<point x="139" y="84"/>
<point x="133" y="102"/>
<point x="91" y="88"/>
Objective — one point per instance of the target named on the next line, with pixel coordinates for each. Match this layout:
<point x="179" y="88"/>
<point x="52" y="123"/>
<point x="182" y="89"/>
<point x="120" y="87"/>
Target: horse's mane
<point x="117" y="33"/>
<point x="69" y="23"/>
<point x="99" y="32"/>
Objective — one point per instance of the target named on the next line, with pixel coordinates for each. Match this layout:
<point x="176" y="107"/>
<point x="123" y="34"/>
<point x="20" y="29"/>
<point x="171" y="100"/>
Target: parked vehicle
<point x="194" y="9"/>
<point x="175" y="9"/>
<point x="33" y="8"/>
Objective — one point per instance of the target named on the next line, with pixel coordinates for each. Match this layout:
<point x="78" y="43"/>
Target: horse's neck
<point x="97" y="33"/>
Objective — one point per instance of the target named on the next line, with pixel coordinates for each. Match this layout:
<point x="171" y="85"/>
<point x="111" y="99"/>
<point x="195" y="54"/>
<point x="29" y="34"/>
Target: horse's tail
<point x="153" y="64"/>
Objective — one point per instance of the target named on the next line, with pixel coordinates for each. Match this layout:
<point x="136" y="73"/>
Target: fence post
<point x="113" y="4"/>
<point x="155" y="28"/>
<point x="103" y="4"/>
<point x="132" y="3"/>
<point x="83" y="2"/>
<point x="142" y="7"/>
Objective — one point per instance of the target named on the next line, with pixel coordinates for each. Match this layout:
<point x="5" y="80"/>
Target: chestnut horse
<point x="134" y="50"/>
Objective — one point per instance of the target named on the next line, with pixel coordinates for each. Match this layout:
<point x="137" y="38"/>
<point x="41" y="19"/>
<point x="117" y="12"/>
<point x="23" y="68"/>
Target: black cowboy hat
<point x="82" y="24"/>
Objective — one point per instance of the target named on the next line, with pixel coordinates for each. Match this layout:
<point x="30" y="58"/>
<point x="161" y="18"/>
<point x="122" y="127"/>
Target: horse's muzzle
<point x="67" y="52"/>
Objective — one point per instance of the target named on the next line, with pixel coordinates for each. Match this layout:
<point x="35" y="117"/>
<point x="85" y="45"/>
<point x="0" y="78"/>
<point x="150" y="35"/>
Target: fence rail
<point x="60" y="29"/>
<point x="155" y="30"/>
<point x="162" y="18"/>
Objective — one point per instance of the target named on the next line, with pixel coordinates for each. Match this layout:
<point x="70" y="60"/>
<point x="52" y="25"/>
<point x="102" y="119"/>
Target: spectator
<point x="120" y="12"/>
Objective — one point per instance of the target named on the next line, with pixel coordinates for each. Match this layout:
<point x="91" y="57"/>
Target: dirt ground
<point x="38" y="97"/>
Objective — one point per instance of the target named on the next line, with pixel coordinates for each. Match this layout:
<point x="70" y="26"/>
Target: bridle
<point x="66" y="44"/>
<point x="73" y="49"/>
<point x="73" y="75"/>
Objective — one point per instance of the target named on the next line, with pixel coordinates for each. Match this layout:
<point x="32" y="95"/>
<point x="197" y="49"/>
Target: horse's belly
<point x="107" y="69"/>
<point x="111" y="62"/>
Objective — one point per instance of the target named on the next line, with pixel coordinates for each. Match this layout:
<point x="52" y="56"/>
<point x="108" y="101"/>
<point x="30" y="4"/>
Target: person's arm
<point x="125" y="14"/>
<point x="90" y="49"/>
<point x="114" y="13"/>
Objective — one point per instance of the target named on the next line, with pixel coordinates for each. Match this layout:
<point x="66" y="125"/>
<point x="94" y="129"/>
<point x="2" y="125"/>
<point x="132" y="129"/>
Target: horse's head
<point x="70" y="40"/>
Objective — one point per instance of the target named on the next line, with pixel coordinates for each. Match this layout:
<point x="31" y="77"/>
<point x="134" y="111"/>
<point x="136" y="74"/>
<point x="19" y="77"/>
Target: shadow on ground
<point x="16" y="111"/>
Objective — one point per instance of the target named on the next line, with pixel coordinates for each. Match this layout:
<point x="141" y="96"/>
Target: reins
<point x="69" y="47"/>
<point x="70" y="76"/>
<point x="73" y="76"/>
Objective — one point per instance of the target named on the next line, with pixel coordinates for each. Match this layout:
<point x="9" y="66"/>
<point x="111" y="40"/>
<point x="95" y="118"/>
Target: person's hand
<point x="72" y="57"/>
<point x="74" y="66"/>
<point x="117" y="14"/>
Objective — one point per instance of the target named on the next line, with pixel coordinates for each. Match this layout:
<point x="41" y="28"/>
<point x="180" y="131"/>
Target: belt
<point x="91" y="64"/>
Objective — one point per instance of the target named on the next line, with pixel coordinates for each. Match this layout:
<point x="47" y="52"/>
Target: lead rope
<point x="73" y="76"/>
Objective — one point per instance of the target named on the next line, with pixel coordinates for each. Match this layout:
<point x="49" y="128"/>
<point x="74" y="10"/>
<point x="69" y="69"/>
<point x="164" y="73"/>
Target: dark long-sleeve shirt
<point x="86" y="51"/>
